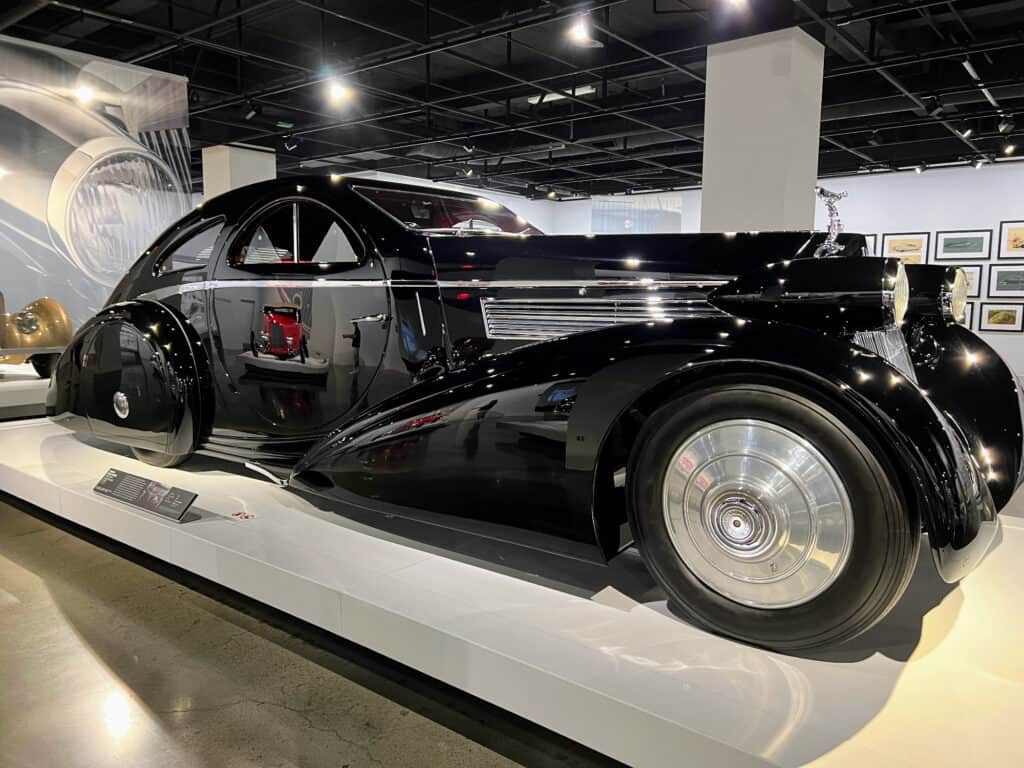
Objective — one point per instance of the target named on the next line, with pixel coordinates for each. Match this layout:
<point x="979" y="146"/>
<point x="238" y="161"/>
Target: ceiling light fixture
<point x="338" y="92"/>
<point x="970" y="69"/>
<point x="875" y="139"/>
<point x="469" y="172"/>
<point x="920" y="168"/>
<point x="1009" y="148"/>
<point x="1006" y="125"/>
<point x="552" y="195"/>
<point x="579" y="34"/>
<point x="965" y="131"/>
<point x="583" y="90"/>
<point x="290" y="144"/>
<point x="252" y="109"/>
<point x="979" y="161"/>
<point x="933" y="106"/>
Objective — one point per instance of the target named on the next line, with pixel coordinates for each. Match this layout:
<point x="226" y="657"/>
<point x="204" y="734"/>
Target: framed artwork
<point x="969" y="315"/>
<point x="964" y="245"/>
<point x="974" y="273"/>
<point x="871" y="241"/>
<point x="1011" y="240"/>
<point x="1002" y="318"/>
<point x="908" y="247"/>
<point x="1006" y="281"/>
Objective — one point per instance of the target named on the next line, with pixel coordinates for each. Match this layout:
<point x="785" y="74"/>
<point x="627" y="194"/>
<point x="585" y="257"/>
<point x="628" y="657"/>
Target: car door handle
<point x="369" y="319"/>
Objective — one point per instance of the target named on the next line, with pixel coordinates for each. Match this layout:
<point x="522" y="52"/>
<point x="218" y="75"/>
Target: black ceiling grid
<point x="499" y="94"/>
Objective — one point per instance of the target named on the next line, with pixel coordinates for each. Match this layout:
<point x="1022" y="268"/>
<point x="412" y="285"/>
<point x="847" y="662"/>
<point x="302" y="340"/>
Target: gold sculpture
<point x="38" y="334"/>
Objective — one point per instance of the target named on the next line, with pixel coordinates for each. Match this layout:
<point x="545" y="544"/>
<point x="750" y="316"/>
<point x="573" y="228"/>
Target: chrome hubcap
<point x="757" y="513"/>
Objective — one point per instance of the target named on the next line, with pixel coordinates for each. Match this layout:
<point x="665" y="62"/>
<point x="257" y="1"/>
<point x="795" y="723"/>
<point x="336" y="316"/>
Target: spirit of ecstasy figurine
<point x="835" y="227"/>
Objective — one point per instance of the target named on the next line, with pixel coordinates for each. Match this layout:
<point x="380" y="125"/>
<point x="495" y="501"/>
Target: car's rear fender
<point x="150" y="355"/>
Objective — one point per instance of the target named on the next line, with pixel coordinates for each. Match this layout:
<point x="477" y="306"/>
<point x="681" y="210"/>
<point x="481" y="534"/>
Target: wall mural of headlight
<point x="94" y="164"/>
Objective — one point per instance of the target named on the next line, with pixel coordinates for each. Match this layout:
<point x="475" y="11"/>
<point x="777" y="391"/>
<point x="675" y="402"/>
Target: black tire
<point x="44" y="364"/>
<point x="885" y="540"/>
<point x="160" y="459"/>
<point x="252" y="344"/>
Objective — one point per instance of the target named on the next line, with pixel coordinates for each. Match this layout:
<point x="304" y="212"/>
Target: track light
<point x="579" y="34"/>
<point x="338" y="92"/>
<point x="920" y="168"/>
<point x="468" y="172"/>
<point x="1006" y="125"/>
<point x="252" y="110"/>
<point x="970" y="69"/>
<point x="875" y="139"/>
<point x="552" y="195"/>
<point x="290" y="144"/>
<point x="979" y="162"/>
<point x="1009" y="148"/>
<point x="965" y="131"/>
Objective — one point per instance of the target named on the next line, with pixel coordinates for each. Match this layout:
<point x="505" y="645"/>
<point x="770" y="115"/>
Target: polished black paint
<point x="412" y="407"/>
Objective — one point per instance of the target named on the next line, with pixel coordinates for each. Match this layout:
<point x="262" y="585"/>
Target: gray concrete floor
<point x="106" y="661"/>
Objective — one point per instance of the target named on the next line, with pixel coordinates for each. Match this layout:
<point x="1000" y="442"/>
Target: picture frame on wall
<point x="963" y="245"/>
<point x="975" y="273"/>
<point x="1001" y="318"/>
<point x="1006" y="281"/>
<point x="908" y="247"/>
<point x="1011" y="240"/>
<point x="968" y="315"/>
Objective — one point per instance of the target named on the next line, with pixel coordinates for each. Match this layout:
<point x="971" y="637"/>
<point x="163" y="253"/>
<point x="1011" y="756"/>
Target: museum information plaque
<point x="145" y="494"/>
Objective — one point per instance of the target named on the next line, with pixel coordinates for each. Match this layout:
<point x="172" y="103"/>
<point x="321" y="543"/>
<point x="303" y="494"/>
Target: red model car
<point x="282" y="334"/>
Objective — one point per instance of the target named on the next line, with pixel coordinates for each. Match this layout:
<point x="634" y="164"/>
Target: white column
<point x="762" y="115"/>
<point x="230" y="167"/>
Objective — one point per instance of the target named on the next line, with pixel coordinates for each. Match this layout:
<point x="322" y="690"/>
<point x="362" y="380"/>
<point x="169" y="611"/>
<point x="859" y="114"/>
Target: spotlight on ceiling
<point x="970" y="69"/>
<point x="469" y="148"/>
<point x="545" y="98"/>
<point x="965" y="131"/>
<point x="920" y="168"/>
<point x="552" y="195"/>
<point x="876" y="139"/>
<point x="1006" y="125"/>
<point x="84" y="94"/>
<point x="468" y="172"/>
<point x="1009" y="148"/>
<point x="252" y="109"/>
<point x="290" y="144"/>
<point x="979" y="162"/>
<point x="579" y="34"/>
<point x="338" y="92"/>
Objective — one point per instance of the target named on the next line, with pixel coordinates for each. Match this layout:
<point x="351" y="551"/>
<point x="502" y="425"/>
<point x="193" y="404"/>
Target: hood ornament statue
<point x="835" y="227"/>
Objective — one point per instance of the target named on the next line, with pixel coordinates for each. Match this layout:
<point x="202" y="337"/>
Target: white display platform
<point x="22" y="392"/>
<point x="558" y="644"/>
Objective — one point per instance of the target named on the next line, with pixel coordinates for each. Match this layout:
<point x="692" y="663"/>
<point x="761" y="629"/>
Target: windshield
<point x="430" y="211"/>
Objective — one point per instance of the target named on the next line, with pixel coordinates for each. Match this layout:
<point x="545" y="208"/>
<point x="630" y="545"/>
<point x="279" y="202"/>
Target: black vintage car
<point x="772" y="429"/>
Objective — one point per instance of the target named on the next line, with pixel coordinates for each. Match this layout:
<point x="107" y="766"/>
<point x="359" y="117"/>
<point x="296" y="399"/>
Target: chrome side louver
<point x="891" y="347"/>
<point x="538" y="319"/>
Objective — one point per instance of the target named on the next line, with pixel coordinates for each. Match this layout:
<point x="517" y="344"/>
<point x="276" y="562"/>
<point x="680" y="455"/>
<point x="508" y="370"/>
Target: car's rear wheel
<point x="766" y="517"/>
<point x="159" y="458"/>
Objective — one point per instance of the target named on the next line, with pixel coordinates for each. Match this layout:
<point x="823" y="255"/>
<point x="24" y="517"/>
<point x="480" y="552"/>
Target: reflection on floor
<point x="104" y="662"/>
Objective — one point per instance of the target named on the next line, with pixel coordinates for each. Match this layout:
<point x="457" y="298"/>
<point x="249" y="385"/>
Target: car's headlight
<point x="900" y="294"/>
<point x="958" y="296"/>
